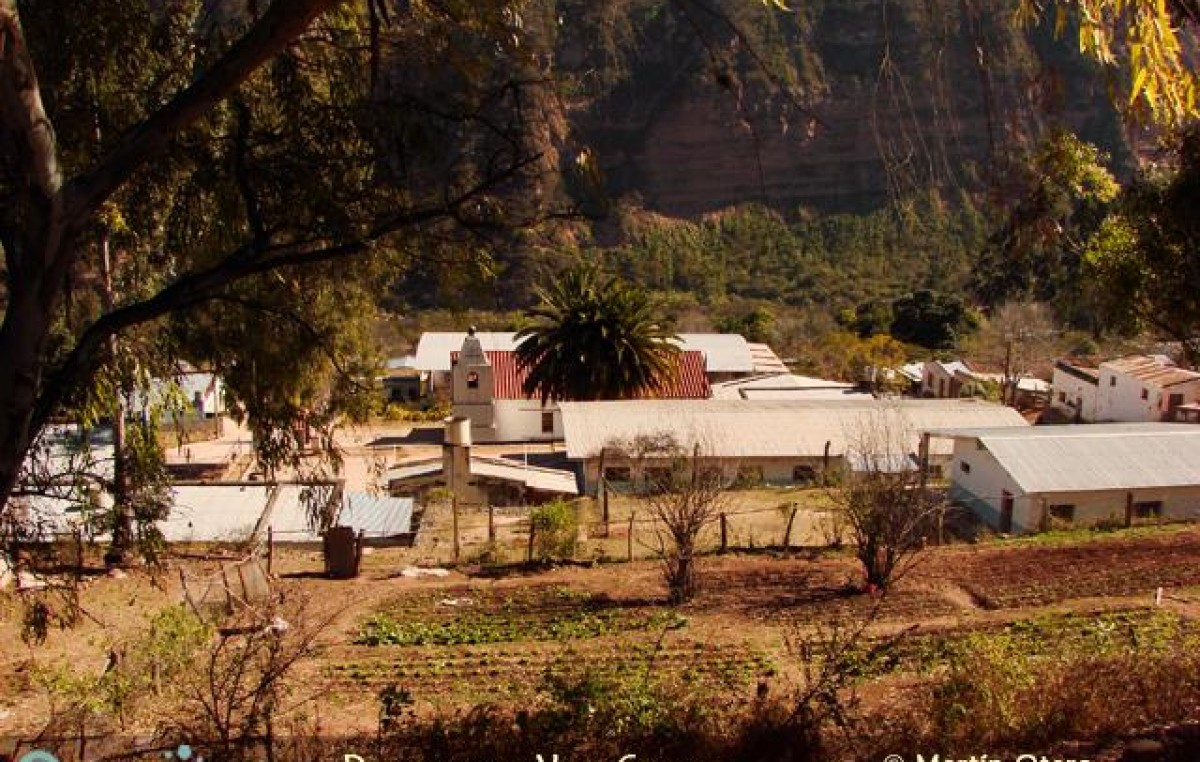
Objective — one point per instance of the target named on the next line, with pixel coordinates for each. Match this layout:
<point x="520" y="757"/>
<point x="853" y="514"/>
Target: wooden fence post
<point x="604" y="504"/>
<point x="724" y="533"/>
<point x="78" y="552"/>
<point x="270" y="548"/>
<point x="603" y="487"/>
<point x="491" y="523"/>
<point x="632" y="516"/>
<point x="787" y="534"/>
<point x="454" y="521"/>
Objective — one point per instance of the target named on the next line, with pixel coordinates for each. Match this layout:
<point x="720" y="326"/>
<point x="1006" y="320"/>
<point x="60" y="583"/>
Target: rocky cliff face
<point x="836" y="105"/>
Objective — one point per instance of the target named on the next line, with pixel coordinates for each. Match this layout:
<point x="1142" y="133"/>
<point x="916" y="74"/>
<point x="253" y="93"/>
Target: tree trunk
<point x="22" y="344"/>
<point x="31" y="254"/>
<point x="52" y="213"/>
<point x="121" y="549"/>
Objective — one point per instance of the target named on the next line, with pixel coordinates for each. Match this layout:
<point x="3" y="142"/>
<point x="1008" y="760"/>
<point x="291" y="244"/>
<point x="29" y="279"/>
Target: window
<point x="616" y="474"/>
<point x="804" y="474"/>
<point x="472" y="380"/>
<point x="965" y="467"/>
<point x="1063" y="513"/>
<point x="1145" y="394"/>
<point x="1148" y="509"/>
<point x="1112" y="380"/>
<point x="1062" y="397"/>
<point x="547" y="422"/>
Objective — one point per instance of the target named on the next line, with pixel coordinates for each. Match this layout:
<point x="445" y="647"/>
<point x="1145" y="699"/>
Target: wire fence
<point x="508" y="535"/>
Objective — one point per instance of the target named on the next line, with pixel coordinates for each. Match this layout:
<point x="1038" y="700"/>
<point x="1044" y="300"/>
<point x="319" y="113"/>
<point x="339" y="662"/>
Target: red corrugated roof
<point x="690" y="382"/>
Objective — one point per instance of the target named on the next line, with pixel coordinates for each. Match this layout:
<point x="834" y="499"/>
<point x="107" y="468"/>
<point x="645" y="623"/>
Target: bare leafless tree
<point x="883" y="501"/>
<point x="246" y="682"/>
<point x="685" y="492"/>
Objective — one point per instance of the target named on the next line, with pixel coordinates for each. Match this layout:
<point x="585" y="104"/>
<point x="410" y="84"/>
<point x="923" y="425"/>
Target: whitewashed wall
<point x="1079" y="395"/>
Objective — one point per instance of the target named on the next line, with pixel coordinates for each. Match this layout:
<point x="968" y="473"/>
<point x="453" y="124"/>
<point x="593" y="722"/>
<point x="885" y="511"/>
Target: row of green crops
<point x="1125" y="632"/>
<point x="466" y="617"/>
<point x="481" y="626"/>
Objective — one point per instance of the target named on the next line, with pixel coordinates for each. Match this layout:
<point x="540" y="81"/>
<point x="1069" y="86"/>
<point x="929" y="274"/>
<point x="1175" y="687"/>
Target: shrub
<point x="999" y="692"/>
<point x="555" y="528"/>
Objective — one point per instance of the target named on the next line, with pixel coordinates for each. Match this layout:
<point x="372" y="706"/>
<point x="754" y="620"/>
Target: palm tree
<point x="594" y="339"/>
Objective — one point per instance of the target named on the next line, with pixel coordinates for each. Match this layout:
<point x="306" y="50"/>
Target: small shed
<point x="378" y="517"/>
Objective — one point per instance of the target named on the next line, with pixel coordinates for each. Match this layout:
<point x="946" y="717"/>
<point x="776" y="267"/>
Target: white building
<point x="1139" y="388"/>
<point x="1073" y="391"/>
<point x="487" y="387"/>
<point x="1128" y="389"/>
<point x="949" y="380"/>
<point x="1027" y="479"/>
<point x="770" y="441"/>
<point x="726" y="355"/>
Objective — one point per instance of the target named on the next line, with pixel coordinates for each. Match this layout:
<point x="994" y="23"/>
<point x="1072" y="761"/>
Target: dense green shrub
<point x="555" y="531"/>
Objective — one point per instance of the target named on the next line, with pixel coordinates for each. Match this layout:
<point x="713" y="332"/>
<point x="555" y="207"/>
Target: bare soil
<point x="518" y="624"/>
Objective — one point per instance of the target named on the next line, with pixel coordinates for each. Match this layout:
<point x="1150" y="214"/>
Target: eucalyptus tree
<point x="594" y="339"/>
<point x="1141" y="42"/>
<point x="1144" y="260"/>
<point x="236" y="157"/>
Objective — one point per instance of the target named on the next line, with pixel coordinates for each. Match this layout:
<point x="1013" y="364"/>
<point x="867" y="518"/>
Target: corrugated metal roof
<point x="1030" y="384"/>
<point x="434" y="347"/>
<point x="48" y="516"/>
<point x="1150" y="370"/>
<point x="289" y="518"/>
<point x="232" y="513"/>
<point x="953" y="368"/>
<point x="413" y="470"/>
<point x="780" y="386"/>
<point x="376" y="516"/>
<point x="913" y="371"/>
<point x="723" y="352"/>
<point x="1090" y="375"/>
<point x="765" y="360"/>
<point x="1108" y="457"/>
<point x="406" y="362"/>
<point x="542" y="479"/>
<point x="534" y="477"/>
<point x="814" y="394"/>
<point x="690" y="381"/>
<point x="1064" y="430"/>
<point x="759" y="428"/>
<point x="215" y="512"/>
